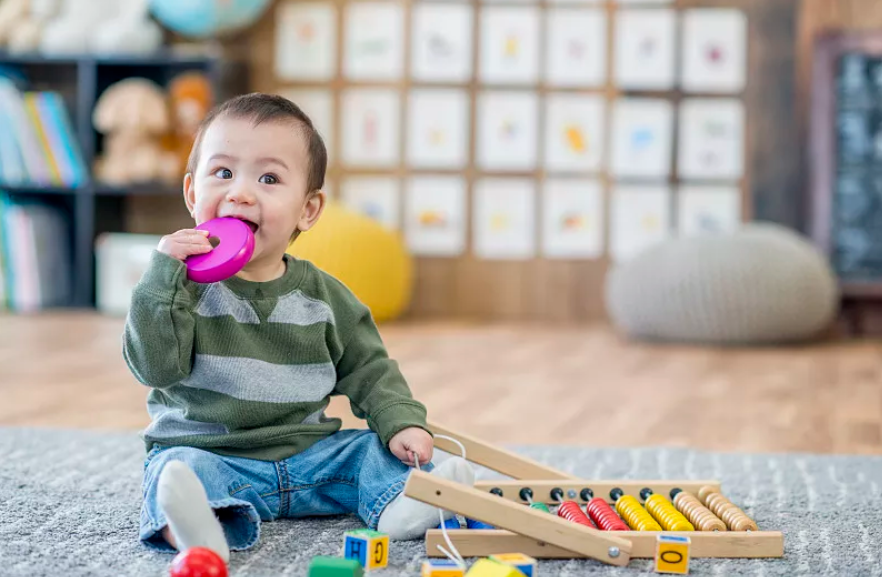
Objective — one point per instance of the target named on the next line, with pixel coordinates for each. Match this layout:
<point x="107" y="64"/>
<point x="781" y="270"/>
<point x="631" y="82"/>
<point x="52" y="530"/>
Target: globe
<point x="200" y="19"/>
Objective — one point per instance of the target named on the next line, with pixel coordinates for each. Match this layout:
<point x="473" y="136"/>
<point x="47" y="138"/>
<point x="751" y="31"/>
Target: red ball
<point x="198" y="562"/>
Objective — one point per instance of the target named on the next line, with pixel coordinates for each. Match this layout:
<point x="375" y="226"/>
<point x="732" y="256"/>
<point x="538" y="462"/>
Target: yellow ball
<point x="362" y="254"/>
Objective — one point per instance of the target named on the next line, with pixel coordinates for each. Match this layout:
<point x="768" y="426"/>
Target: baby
<point x="241" y="371"/>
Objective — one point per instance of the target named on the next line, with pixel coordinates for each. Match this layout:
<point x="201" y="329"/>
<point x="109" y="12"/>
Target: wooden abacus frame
<point x="537" y="534"/>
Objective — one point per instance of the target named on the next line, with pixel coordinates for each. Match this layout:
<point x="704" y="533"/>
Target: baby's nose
<point x="240" y="194"/>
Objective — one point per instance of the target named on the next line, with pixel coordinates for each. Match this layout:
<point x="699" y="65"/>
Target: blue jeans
<point x="348" y="472"/>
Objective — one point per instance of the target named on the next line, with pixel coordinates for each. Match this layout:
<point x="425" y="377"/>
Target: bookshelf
<point x="92" y="207"/>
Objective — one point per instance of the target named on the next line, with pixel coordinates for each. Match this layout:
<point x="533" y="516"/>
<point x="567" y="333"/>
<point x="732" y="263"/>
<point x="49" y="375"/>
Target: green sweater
<point x="247" y="369"/>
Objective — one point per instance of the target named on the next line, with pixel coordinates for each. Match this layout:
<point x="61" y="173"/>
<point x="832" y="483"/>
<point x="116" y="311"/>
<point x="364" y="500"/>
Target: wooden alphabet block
<point x="524" y="564"/>
<point x="491" y="568"/>
<point x="441" y="568"/>
<point x="323" y="566"/>
<point x="672" y="554"/>
<point x="369" y="548"/>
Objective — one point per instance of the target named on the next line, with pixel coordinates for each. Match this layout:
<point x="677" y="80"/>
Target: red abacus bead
<point x="571" y="511"/>
<point x="604" y="517"/>
<point x="198" y="562"/>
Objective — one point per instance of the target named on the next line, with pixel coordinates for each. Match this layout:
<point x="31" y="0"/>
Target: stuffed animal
<point x="131" y="31"/>
<point x="12" y="12"/>
<point x="28" y="32"/>
<point x="190" y="98"/>
<point x="133" y="116"/>
<point x="74" y="25"/>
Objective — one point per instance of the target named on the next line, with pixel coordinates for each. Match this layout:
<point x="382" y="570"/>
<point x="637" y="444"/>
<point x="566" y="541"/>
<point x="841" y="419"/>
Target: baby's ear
<point x="312" y="210"/>
<point x="189" y="193"/>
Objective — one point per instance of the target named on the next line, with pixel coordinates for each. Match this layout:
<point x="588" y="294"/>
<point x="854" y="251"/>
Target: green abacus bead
<point x="540" y="506"/>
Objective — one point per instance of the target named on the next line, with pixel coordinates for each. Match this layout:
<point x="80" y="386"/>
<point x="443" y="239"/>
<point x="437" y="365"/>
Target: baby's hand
<point x="409" y="441"/>
<point x="184" y="243"/>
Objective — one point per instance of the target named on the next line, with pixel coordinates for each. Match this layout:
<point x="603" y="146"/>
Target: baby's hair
<point x="261" y="107"/>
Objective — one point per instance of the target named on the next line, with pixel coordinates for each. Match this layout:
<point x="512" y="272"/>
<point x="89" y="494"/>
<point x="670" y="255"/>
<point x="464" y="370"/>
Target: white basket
<point x="121" y="260"/>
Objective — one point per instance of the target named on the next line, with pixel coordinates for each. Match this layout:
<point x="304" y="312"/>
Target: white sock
<point x="405" y="518"/>
<point x="191" y="520"/>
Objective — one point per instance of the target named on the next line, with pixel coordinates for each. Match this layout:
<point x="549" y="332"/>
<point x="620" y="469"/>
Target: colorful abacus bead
<point x="700" y="516"/>
<point x="475" y="524"/>
<point x="540" y="507"/>
<point x="452" y="523"/>
<point x="630" y="509"/>
<point x="664" y="512"/>
<point x="600" y="513"/>
<point x="603" y="516"/>
<point x="735" y="518"/>
<point x="571" y="511"/>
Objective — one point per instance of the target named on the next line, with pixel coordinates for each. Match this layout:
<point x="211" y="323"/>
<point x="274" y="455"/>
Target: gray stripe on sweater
<point x="315" y="418"/>
<point x="171" y="422"/>
<point x="219" y="301"/>
<point x="253" y="380"/>
<point x="298" y="309"/>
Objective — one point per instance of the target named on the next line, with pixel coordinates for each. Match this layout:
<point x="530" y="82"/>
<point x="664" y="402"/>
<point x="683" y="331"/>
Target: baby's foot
<point x="405" y="518"/>
<point x="182" y="498"/>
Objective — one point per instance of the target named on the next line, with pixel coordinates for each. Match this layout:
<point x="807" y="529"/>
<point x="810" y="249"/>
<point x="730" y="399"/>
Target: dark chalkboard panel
<point x="846" y="158"/>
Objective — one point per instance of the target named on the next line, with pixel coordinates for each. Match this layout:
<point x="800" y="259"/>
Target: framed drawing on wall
<point x="522" y="148"/>
<point x="845" y="154"/>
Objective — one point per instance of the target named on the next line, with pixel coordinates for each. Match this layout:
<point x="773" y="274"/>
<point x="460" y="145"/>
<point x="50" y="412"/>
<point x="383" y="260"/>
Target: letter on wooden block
<point x="672" y="554"/>
<point x="369" y="548"/>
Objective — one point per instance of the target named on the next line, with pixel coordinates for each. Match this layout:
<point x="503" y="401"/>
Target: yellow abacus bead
<point x="635" y="515"/>
<point x="665" y="513"/>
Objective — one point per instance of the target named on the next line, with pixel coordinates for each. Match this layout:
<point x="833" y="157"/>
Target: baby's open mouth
<point x="252" y="225"/>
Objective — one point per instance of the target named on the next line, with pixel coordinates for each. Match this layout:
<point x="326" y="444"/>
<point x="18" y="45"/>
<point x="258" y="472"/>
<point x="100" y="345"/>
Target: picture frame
<point x="842" y="214"/>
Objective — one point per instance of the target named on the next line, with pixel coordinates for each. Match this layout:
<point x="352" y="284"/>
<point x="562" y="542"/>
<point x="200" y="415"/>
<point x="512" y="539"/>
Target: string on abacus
<point x="455" y="555"/>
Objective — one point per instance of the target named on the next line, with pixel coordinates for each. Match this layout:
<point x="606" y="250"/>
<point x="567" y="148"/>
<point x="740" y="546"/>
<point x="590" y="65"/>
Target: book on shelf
<point x="38" y="146"/>
<point x="35" y="255"/>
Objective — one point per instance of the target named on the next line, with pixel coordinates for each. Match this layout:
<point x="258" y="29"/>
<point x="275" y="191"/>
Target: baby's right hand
<point x="185" y="243"/>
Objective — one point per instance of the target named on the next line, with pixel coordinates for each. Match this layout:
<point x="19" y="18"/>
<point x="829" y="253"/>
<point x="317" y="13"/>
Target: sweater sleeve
<point x="376" y="389"/>
<point x="158" y="333"/>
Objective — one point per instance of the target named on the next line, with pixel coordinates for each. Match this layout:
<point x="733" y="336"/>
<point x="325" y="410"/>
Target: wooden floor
<point x="512" y="384"/>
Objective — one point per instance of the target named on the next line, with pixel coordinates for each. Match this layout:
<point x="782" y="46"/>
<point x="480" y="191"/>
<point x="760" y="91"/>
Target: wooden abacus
<point x="721" y="529"/>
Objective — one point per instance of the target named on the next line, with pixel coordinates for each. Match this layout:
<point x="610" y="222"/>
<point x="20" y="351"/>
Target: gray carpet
<point x="69" y="505"/>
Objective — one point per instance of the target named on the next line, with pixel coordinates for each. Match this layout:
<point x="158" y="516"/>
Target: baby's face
<point x="255" y="173"/>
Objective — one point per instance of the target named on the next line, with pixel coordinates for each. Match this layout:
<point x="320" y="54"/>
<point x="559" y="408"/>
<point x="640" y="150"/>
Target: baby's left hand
<point x="412" y="440"/>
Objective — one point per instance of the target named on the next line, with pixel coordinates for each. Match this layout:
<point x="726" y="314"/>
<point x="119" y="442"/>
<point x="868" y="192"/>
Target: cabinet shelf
<point x="137" y="189"/>
<point x="95" y="207"/>
<point x="161" y="58"/>
<point x="37" y="189"/>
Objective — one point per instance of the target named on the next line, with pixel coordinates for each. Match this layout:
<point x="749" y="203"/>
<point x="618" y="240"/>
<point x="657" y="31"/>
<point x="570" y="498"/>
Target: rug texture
<point x="69" y="503"/>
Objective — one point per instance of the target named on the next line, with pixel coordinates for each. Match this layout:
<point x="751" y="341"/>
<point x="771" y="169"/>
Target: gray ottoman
<point x="762" y="284"/>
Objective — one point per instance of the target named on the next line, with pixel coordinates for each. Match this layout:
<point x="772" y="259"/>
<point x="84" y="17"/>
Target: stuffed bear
<point x="133" y="116"/>
<point x="29" y="32"/>
<point x="12" y="13"/>
<point x="104" y="27"/>
<point x="22" y="23"/>
<point x="190" y="98"/>
<point x="131" y="31"/>
<point x="70" y="30"/>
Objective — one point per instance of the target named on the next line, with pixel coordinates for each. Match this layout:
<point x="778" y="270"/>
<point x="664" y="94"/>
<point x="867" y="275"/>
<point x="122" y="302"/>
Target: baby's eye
<point x="269" y="179"/>
<point x="223" y="173"/>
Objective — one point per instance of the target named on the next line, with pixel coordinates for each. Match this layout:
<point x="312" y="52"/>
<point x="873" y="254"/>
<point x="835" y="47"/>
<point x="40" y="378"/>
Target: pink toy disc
<point x="233" y="251"/>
